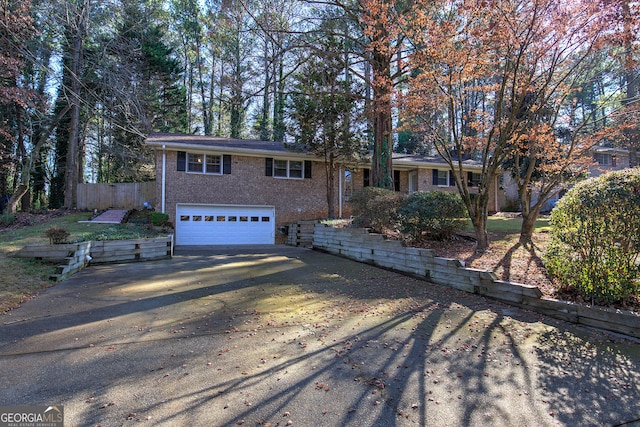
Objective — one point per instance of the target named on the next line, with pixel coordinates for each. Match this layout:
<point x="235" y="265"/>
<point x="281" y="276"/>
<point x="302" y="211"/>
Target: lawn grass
<point x="507" y="225"/>
<point x="22" y="278"/>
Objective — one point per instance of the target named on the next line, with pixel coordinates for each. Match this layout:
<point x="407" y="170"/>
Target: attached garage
<point x="225" y="225"/>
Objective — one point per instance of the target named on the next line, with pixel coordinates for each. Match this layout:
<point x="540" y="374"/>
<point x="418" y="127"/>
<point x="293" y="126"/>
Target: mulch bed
<point x="513" y="262"/>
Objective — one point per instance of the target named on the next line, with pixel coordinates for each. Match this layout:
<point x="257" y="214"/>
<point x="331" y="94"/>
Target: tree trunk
<point x="206" y="122"/>
<point x="479" y="222"/>
<point x="12" y="205"/>
<point x="236" y="101"/>
<point x="632" y="83"/>
<point x="279" y="128"/>
<point x="72" y="170"/>
<point x="381" y="167"/>
<point x="263" y="122"/>
<point x="528" y="224"/>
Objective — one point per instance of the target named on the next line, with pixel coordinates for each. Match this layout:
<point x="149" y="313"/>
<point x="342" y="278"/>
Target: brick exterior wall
<point x="294" y="199"/>
<point x="425" y="183"/>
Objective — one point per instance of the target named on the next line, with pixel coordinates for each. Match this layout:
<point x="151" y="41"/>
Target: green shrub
<point x="376" y="208"/>
<point x="158" y="218"/>
<point x="436" y="215"/>
<point x="595" y="238"/>
<point x="57" y="235"/>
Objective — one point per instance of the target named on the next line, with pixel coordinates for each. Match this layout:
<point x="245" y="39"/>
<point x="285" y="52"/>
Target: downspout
<point x="340" y="176"/>
<point x="164" y="176"/>
<point x="496" y="185"/>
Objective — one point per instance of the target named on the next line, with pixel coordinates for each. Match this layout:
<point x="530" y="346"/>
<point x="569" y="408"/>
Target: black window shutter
<point x="268" y="166"/>
<point x="366" y="173"/>
<point x="396" y="180"/>
<point x="307" y="169"/>
<point x="435" y="177"/>
<point x="226" y="164"/>
<point x="470" y="179"/>
<point x="452" y="180"/>
<point x="182" y="161"/>
<point x="613" y="160"/>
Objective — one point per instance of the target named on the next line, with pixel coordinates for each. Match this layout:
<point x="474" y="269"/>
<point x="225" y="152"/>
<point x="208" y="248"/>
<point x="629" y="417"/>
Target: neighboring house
<point x="229" y="191"/>
<point x="605" y="159"/>
<point x="608" y="159"/>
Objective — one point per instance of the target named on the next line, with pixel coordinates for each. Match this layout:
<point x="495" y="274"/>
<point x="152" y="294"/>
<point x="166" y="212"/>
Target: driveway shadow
<point x="270" y="337"/>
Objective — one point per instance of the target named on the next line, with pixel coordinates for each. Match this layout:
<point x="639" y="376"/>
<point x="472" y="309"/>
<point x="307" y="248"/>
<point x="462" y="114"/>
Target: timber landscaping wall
<point x="359" y="245"/>
<point x="73" y="257"/>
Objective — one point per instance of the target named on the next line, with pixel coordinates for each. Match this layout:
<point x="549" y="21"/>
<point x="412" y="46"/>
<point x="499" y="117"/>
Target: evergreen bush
<point x="436" y="215"/>
<point x="376" y="208"/>
<point x="595" y="238"/>
<point x="158" y="218"/>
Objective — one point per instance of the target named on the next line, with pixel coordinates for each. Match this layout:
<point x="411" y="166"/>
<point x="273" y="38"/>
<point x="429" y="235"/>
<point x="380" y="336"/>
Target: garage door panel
<point x="224" y="225"/>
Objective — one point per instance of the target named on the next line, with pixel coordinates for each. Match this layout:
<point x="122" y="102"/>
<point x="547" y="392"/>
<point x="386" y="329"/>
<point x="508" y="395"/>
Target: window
<point x="280" y="168"/>
<point x="474" y="179"/>
<point x="204" y="163"/>
<point x="294" y="169"/>
<point x="604" y="159"/>
<point x="194" y="163"/>
<point x="441" y="177"/>
<point x="214" y="164"/>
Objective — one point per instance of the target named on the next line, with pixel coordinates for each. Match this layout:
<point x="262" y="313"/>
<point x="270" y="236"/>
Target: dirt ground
<point x="26" y="219"/>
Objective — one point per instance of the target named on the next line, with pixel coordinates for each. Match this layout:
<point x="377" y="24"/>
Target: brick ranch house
<point x="220" y="191"/>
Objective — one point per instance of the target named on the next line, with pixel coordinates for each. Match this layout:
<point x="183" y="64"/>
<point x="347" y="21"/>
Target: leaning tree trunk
<point x="27" y="165"/>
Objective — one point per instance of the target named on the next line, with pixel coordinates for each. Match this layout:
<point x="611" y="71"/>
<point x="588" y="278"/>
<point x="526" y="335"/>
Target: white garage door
<point x="225" y="225"/>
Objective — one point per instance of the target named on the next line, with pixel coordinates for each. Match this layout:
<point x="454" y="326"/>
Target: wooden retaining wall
<point x="361" y="246"/>
<point x="76" y="256"/>
<point x="107" y="251"/>
<point x="71" y="257"/>
<point x="301" y="233"/>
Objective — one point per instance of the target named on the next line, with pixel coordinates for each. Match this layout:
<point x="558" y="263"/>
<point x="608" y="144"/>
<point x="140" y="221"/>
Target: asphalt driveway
<point x="277" y="335"/>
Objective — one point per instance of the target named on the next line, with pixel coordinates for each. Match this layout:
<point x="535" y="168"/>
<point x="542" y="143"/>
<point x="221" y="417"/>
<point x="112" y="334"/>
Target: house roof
<point x="257" y="148"/>
<point x="610" y="150"/>
<point x="179" y="141"/>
